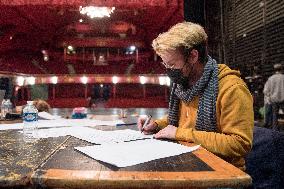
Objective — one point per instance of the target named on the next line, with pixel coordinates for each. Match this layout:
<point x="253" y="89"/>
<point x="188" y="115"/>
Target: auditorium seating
<point x="54" y="67"/>
<point x="58" y="66"/>
<point x="73" y="95"/>
<point x="68" y="102"/>
<point x="19" y="65"/>
<point x="131" y="95"/>
<point x="151" y="102"/>
<point x="89" y="68"/>
<point x="127" y="95"/>
<point x="146" y="67"/>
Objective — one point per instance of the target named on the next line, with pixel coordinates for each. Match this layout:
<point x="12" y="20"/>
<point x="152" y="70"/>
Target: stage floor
<point x="130" y="112"/>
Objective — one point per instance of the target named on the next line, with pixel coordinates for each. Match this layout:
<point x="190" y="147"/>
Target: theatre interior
<point x="93" y="61"/>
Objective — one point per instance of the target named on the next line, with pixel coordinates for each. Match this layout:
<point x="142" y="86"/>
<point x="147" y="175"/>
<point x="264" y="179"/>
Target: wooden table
<point x="53" y="163"/>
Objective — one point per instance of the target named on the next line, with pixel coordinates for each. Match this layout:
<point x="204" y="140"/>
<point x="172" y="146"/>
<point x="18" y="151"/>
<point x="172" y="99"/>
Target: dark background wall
<point x="247" y="35"/>
<point x="254" y="32"/>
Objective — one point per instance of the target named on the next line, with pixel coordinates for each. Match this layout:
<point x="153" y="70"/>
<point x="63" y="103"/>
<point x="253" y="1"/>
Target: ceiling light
<point x="114" y="79"/>
<point x="70" y="48"/>
<point x="96" y="12"/>
<point x="132" y="48"/>
<point x="31" y="80"/>
<point x="102" y="58"/>
<point x="84" y="80"/>
<point x="20" y="80"/>
<point x="81" y="20"/>
<point x="45" y="58"/>
<point x="142" y="79"/>
<point x="54" y="80"/>
<point x="168" y="81"/>
<point x="162" y="80"/>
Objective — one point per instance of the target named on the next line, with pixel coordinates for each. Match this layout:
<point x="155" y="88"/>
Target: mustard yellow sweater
<point x="235" y="120"/>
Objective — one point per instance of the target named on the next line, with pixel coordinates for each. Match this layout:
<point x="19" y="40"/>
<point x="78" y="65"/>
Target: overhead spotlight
<point x="102" y="58"/>
<point x="132" y="48"/>
<point x="70" y="48"/>
<point x="45" y="58"/>
<point x="81" y="20"/>
<point x="45" y="55"/>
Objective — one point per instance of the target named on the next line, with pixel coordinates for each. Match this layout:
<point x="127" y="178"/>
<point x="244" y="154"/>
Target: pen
<point x="146" y="122"/>
<point x="125" y="124"/>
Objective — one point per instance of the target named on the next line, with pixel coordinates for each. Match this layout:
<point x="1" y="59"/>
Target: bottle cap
<point x="30" y="102"/>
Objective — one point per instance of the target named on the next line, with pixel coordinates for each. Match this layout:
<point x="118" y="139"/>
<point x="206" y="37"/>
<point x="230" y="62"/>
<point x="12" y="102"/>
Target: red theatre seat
<point x="68" y="102"/>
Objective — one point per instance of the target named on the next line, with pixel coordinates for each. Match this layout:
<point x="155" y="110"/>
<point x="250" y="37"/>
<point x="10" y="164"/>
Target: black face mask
<point x="176" y="77"/>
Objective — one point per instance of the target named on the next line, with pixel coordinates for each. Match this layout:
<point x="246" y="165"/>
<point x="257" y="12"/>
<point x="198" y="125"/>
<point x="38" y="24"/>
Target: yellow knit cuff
<point x="184" y="134"/>
<point x="162" y="123"/>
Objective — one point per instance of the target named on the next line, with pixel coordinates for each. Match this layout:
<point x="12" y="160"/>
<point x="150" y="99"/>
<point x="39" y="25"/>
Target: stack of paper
<point x="106" y="137"/>
<point x="93" y="135"/>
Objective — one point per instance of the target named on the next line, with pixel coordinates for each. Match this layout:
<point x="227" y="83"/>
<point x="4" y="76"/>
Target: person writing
<point x="209" y="103"/>
<point x="41" y="106"/>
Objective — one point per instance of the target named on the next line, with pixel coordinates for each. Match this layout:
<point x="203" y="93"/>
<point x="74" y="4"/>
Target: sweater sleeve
<point x="235" y="124"/>
<point x="162" y="123"/>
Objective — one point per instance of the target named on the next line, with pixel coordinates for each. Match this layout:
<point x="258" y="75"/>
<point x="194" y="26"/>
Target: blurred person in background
<point x="41" y="106"/>
<point x="274" y="90"/>
<point x="268" y="116"/>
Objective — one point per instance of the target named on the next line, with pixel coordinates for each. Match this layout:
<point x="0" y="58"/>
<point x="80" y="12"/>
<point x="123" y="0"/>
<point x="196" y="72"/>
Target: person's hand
<point x="168" y="132"/>
<point x="149" y="129"/>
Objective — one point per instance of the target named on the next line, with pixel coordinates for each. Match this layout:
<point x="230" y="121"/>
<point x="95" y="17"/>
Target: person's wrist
<point x="156" y="127"/>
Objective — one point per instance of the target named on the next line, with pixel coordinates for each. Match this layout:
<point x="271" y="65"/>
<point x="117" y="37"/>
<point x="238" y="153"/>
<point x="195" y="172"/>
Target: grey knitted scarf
<point x="207" y="90"/>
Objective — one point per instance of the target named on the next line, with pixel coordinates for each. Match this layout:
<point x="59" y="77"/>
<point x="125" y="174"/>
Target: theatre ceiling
<point x="34" y="27"/>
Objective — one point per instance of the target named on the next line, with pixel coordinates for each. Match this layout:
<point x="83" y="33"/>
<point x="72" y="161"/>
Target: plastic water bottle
<point x="4" y="108"/>
<point x="9" y="106"/>
<point x="30" y="116"/>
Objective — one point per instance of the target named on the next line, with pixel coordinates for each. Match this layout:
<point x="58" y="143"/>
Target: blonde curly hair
<point x="41" y="105"/>
<point x="185" y="34"/>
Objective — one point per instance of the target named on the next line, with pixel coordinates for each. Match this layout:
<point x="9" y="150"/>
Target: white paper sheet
<point x="48" y="116"/>
<point x="92" y="135"/>
<point x="135" y="152"/>
<point x="53" y="132"/>
<point x="108" y="137"/>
